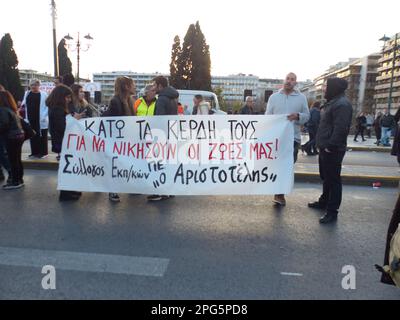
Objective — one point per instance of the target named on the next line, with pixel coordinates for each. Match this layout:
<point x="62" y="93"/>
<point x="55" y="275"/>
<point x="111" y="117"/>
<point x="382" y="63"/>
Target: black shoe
<point x="328" y="218"/>
<point x="355" y="140"/>
<point x="13" y="186"/>
<point x="114" y="197"/>
<point x="317" y="205"/>
<point x="67" y="197"/>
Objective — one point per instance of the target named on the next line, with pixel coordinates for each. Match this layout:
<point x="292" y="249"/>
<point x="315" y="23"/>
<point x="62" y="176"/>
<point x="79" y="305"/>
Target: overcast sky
<point x="265" y="38"/>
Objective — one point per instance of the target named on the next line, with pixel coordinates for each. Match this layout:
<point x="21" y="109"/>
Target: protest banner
<point x="172" y="155"/>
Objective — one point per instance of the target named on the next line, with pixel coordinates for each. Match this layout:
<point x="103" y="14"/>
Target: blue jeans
<point x="3" y="156"/>
<point x="386" y="132"/>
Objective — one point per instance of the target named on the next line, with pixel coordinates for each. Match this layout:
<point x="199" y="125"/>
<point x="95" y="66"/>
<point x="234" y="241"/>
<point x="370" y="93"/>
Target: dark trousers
<point x="3" y="155"/>
<point x="330" y="168"/>
<point x="310" y="147"/>
<point x="14" y="149"/>
<point x="360" y="131"/>
<point x="39" y="144"/>
<point x="378" y="133"/>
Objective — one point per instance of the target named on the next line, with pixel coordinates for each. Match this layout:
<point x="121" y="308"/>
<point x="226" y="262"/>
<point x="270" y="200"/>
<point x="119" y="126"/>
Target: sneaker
<point x="154" y="198"/>
<point x="45" y="156"/>
<point x="13" y="186"/>
<point x="114" y="197"/>
<point x="279" y="200"/>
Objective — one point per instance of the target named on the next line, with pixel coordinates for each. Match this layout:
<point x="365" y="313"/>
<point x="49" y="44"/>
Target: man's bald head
<point x="290" y="82"/>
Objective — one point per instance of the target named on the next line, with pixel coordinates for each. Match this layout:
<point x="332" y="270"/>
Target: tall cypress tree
<point x="9" y="73"/>
<point x="185" y="60"/>
<point x="195" y="60"/>
<point x="64" y="61"/>
<point x="201" y="71"/>
<point x="175" y="78"/>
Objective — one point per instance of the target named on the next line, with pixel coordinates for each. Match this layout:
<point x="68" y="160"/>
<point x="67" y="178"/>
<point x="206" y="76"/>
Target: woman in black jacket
<point x="58" y="102"/>
<point x="11" y="128"/>
<point x="121" y="105"/>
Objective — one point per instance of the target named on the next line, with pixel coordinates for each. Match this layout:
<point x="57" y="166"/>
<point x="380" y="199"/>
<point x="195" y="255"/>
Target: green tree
<point x="195" y="61"/>
<point x="175" y="68"/>
<point x="64" y="61"/>
<point x="9" y="73"/>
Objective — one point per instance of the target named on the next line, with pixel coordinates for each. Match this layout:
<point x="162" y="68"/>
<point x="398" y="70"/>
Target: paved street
<point x="190" y="247"/>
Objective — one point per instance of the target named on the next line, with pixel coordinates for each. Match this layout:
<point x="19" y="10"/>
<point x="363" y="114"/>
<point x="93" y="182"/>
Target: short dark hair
<point x="199" y="97"/>
<point x="57" y="97"/>
<point x="160" y="80"/>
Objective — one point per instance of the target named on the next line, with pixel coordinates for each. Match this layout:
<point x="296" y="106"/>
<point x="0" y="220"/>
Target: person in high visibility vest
<point x="146" y="105"/>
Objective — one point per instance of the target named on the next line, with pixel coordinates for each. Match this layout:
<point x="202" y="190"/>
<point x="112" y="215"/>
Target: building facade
<point x="361" y="75"/>
<point x="388" y="80"/>
<point x="27" y="75"/>
<point x="234" y="86"/>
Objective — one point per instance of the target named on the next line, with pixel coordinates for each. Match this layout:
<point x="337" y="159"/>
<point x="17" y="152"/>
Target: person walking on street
<point x="370" y="123"/>
<point x="312" y="127"/>
<point x="11" y="130"/>
<point x="248" y="108"/>
<point x="332" y="136"/>
<point x="377" y="128"/>
<point x="387" y="122"/>
<point x="293" y="103"/>
<point x="36" y="114"/>
<point x="121" y="105"/>
<point x="360" y="126"/>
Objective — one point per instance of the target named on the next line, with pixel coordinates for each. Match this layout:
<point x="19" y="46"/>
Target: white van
<point x="186" y="99"/>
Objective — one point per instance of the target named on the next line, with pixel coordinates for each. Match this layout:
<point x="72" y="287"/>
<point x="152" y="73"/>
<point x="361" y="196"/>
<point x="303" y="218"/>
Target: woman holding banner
<point x="58" y="102"/>
<point x="122" y="104"/>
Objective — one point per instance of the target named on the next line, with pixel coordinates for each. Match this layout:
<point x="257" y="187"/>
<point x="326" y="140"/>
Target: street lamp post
<point x="55" y="49"/>
<point x="78" y="48"/>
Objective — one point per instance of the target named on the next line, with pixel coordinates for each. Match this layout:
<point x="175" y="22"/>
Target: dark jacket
<point x="335" y="124"/>
<point x="166" y="103"/>
<point x="57" y="125"/>
<point x="315" y="118"/>
<point x="246" y="110"/>
<point x="10" y="124"/>
<point x="116" y="108"/>
<point x="388" y="121"/>
<point x="361" y="122"/>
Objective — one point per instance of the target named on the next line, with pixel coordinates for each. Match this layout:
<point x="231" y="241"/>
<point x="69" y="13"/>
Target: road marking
<point x="289" y="274"/>
<point x="86" y="262"/>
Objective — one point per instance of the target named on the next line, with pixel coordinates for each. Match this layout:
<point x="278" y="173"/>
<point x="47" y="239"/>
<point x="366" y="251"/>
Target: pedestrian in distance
<point x="377" y="128"/>
<point x="387" y="122"/>
<point x="13" y="135"/>
<point x="200" y="107"/>
<point x="361" y="125"/>
<point x="291" y="102"/>
<point x="36" y="114"/>
<point x="370" y="123"/>
<point x="248" y="108"/>
<point x="332" y="136"/>
<point x="121" y="105"/>
<point x="312" y="127"/>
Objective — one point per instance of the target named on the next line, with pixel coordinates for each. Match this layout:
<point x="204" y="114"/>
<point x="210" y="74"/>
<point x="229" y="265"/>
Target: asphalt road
<point x="190" y="247"/>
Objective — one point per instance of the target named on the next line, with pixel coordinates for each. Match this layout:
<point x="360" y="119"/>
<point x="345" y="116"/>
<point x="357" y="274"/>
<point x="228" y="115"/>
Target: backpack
<point x="393" y="269"/>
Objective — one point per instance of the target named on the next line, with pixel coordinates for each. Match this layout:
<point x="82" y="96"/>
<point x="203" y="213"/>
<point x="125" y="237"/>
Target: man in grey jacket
<point x="167" y="103"/>
<point x="332" y="144"/>
<point x="293" y="103"/>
